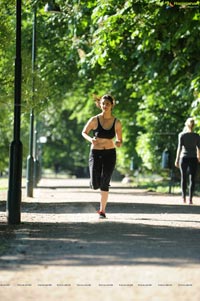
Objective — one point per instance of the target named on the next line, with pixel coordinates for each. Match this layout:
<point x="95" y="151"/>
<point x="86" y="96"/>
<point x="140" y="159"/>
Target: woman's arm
<point x="198" y="154"/>
<point x="90" y="125"/>
<point x="198" y="149"/>
<point x="177" y="156"/>
<point x="178" y="152"/>
<point x="118" y="131"/>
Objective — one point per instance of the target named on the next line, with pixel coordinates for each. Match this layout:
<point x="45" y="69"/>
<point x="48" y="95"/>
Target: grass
<point x="3" y="183"/>
<point x="157" y="183"/>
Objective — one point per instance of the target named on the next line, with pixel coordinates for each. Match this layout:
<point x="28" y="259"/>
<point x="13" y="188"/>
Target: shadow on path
<point x="100" y="243"/>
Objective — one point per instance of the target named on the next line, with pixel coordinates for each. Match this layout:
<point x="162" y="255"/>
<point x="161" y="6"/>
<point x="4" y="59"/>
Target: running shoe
<point x="101" y="214"/>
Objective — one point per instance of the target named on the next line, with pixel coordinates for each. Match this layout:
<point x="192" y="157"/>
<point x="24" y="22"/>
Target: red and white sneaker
<point x="102" y="214"/>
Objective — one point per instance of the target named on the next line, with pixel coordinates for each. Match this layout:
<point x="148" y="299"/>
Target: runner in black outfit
<point x="102" y="156"/>
<point x="187" y="157"/>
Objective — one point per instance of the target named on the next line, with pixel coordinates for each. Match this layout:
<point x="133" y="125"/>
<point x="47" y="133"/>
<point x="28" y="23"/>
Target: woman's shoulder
<point x="117" y="123"/>
<point x="194" y="134"/>
<point x="93" y="118"/>
<point x="189" y="134"/>
<point x="117" y="120"/>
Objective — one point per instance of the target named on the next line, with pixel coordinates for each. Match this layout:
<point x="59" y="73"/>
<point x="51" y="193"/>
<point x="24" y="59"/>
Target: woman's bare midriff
<point x="103" y="143"/>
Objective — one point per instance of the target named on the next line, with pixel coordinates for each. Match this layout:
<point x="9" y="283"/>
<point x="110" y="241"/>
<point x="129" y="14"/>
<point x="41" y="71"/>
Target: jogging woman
<point x="107" y="135"/>
<point x="187" y="157"/>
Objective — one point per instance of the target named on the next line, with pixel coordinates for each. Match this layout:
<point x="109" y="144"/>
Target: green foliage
<point x="147" y="57"/>
<point x="6" y="79"/>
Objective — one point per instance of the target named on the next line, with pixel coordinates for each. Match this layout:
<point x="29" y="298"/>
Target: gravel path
<point x="146" y="249"/>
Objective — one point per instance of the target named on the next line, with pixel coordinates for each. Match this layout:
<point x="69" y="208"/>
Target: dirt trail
<point x="147" y="248"/>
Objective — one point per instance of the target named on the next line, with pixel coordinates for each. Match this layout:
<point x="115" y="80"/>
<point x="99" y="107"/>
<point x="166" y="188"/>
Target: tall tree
<point x="139" y="51"/>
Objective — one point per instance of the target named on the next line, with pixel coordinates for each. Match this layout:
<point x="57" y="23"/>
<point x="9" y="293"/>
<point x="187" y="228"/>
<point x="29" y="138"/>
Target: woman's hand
<point x="177" y="163"/>
<point x="94" y="140"/>
<point x="118" y="143"/>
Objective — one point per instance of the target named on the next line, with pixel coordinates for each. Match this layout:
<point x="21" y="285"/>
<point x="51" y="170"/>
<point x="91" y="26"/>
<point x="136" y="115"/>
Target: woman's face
<point x="106" y="105"/>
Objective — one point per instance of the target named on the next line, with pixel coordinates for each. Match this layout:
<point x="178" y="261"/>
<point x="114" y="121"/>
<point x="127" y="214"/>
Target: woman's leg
<point x="103" y="202"/>
<point x="109" y="160"/>
<point x="192" y="172"/>
<point x="183" y="170"/>
<point x="95" y="168"/>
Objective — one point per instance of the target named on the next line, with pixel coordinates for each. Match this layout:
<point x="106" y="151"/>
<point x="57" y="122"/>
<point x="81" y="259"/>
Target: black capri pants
<point x="101" y="167"/>
<point x="188" y="165"/>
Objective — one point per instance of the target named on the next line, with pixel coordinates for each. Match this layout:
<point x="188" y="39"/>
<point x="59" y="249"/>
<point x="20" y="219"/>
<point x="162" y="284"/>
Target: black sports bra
<point x="100" y="132"/>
